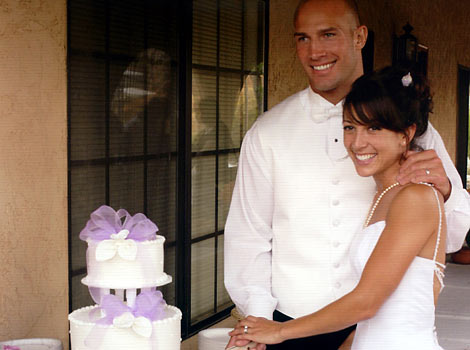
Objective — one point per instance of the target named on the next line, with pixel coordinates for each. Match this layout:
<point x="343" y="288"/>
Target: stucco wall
<point x="441" y="25"/>
<point x="33" y="170"/>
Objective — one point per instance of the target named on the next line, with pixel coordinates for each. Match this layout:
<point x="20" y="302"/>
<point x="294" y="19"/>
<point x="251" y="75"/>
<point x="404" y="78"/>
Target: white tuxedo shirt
<point x="296" y="206"/>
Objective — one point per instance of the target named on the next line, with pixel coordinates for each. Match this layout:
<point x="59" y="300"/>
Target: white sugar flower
<point x="140" y="325"/>
<point x="118" y="244"/>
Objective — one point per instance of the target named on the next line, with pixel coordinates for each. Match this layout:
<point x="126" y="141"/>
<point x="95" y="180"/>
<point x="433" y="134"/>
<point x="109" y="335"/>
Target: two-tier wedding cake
<point x="124" y="255"/>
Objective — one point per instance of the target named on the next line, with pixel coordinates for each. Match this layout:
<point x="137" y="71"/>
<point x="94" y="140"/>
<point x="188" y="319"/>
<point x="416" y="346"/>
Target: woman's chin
<point x="364" y="172"/>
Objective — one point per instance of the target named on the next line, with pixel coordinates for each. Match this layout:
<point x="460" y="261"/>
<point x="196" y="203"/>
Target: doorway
<point x="463" y="106"/>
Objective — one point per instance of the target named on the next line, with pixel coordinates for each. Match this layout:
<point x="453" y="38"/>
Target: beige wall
<point x="441" y="25"/>
<point x="33" y="170"/>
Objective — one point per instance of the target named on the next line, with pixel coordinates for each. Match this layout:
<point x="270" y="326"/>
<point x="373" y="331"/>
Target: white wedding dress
<point x="406" y="320"/>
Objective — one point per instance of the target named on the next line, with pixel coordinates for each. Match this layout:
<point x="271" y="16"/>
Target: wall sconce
<point x="406" y="47"/>
<point x="408" y="52"/>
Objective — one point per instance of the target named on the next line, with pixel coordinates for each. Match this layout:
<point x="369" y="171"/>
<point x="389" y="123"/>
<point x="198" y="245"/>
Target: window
<point x="463" y="132"/>
<point x="161" y="94"/>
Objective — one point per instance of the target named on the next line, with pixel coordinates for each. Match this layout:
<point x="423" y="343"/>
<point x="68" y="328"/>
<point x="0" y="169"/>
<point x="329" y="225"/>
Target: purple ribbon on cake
<point x="149" y="306"/>
<point x="105" y="222"/>
<point x="115" y="236"/>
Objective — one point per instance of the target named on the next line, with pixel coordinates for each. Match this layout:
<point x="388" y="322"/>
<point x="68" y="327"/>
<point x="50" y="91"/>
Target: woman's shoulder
<point x="422" y="191"/>
<point x="417" y="200"/>
<point x="414" y="210"/>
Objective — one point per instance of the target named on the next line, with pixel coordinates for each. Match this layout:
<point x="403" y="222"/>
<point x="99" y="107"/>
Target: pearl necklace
<point x="372" y="210"/>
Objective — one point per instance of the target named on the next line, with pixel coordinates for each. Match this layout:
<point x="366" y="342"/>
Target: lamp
<point x="406" y="48"/>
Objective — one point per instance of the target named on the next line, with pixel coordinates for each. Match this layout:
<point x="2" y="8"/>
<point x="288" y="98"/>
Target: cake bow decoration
<point x="116" y="236"/>
<point x="141" y="325"/>
<point x="125" y="248"/>
<point x="149" y="306"/>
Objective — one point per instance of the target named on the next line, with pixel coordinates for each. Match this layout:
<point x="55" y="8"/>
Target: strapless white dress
<point x="406" y="320"/>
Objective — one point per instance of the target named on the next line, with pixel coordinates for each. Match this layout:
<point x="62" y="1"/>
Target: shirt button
<point x="336" y="265"/>
<point x="335" y="202"/>
<point x="335" y="181"/>
<point x="337" y="285"/>
<point x="336" y="244"/>
<point x="336" y="222"/>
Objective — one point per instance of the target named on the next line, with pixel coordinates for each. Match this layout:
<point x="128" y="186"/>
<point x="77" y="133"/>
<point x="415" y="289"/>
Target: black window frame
<point x="463" y="90"/>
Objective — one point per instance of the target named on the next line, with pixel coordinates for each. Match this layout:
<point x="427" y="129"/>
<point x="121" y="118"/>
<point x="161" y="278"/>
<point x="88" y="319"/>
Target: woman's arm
<point x="412" y="220"/>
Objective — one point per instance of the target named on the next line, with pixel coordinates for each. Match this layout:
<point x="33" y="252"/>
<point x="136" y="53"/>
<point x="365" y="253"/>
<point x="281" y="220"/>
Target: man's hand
<point x="257" y="329"/>
<point x="425" y="166"/>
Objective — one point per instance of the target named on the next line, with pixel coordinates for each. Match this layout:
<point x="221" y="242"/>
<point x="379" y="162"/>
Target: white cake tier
<point x="118" y="273"/>
<point x="166" y="333"/>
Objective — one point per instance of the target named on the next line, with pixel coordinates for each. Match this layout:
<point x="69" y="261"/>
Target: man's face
<point x="329" y="44"/>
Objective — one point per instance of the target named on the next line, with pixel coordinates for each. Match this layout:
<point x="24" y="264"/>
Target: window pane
<point x="223" y="299"/>
<point x="169" y="266"/>
<point x="80" y="296"/>
<point x="161" y="192"/>
<point x="204" y="108"/>
<point x="227" y="174"/>
<point x="468" y="144"/>
<point x="126" y="186"/>
<point x="202" y="279"/>
<point x="87" y="22"/>
<point x="128" y="103"/>
<point x="161" y="111"/>
<point x="126" y="27"/>
<point x="203" y="195"/>
<point x="231" y="30"/>
<point x="205" y="32"/>
<point x="230" y="113"/>
<point x="88" y="193"/>
<point x="87" y="108"/>
<point x="253" y="34"/>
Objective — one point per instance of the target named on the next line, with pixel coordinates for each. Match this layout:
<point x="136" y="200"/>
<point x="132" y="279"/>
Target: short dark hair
<point x="351" y="4"/>
<point x="381" y="99"/>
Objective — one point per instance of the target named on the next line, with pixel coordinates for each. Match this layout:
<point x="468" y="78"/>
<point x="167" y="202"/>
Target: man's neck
<point x="337" y="94"/>
<point x="333" y="96"/>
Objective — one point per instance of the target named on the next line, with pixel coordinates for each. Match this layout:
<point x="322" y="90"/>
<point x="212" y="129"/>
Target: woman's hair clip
<point x="407" y="80"/>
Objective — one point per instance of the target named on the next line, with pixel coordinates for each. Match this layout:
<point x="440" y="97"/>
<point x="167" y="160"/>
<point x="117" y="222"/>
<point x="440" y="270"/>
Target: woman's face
<point x="373" y="150"/>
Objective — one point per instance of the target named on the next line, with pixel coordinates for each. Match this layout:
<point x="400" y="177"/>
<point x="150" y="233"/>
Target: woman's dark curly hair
<point x="380" y="99"/>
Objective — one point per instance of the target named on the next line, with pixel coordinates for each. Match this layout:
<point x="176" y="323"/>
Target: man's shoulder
<point x="296" y="101"/>
<point x="286" y="109"/>
<point x="428" y="138"/>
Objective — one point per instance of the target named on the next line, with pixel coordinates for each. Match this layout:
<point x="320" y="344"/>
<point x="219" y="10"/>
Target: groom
<point x="298" y="201"/>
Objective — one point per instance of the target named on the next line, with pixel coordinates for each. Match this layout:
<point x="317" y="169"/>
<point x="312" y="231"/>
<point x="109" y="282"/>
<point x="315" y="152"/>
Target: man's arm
<point x="248" y="231"/>
<point x="457" y="205"/>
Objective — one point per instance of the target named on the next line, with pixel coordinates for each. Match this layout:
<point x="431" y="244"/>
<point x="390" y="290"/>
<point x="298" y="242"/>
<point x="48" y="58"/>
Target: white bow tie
<point x="322" y="116"/>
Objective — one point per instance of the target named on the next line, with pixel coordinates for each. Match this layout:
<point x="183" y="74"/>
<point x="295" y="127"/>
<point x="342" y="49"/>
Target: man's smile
<point x="323" y="66"/>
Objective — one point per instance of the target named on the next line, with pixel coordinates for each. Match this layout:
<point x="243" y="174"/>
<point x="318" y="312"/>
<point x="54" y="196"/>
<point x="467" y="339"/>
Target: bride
<point x="398" y="256"/>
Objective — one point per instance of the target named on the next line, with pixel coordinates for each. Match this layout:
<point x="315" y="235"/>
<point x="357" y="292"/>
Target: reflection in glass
<point x="227" y="97"/>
